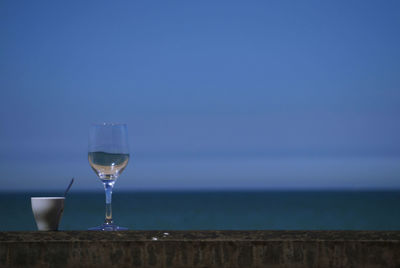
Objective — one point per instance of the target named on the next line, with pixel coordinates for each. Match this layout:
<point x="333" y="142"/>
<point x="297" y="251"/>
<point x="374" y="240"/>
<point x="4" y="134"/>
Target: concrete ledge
<point x="201" y="249"/>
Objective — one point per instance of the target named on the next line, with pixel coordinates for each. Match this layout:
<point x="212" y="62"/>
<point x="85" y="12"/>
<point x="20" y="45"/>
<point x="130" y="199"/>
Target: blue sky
<point x="216" y="94"/>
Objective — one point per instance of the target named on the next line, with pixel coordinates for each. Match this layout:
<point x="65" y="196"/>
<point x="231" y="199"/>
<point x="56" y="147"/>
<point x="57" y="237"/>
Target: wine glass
<point x="108" y="157"/>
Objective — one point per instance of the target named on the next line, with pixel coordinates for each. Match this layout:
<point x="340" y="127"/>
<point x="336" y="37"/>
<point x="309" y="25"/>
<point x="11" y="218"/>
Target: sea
<point x="216" y="210"/>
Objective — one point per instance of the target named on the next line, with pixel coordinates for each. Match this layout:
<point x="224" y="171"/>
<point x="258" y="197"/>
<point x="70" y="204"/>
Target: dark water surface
<point x="277" y="210"/>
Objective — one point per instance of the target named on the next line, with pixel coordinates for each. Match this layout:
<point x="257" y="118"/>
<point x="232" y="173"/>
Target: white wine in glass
<point x="108" y="156"/>
<point x="108" y="166"/>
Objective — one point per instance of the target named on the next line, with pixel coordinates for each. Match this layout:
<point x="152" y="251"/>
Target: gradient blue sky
<point x="216" y="94"/>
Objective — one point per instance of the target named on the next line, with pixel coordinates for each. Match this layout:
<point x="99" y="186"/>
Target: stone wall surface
<point x="200" y="249"/>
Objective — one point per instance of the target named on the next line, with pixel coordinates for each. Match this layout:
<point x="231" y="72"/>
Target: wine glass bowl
<point x="108" y="156"/>
<point x="108" y="166"/>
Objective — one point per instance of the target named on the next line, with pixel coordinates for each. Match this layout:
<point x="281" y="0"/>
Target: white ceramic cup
<point x="48" y="212"/>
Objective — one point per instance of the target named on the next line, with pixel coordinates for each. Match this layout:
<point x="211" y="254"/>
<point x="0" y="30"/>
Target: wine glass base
<point x="108" y="227"/>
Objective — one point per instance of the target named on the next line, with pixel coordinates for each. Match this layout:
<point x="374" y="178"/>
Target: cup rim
<point x="48" y="197"/>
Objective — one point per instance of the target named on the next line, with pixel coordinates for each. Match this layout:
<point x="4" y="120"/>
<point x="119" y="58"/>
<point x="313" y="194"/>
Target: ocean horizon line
<point x="205" y="190"/>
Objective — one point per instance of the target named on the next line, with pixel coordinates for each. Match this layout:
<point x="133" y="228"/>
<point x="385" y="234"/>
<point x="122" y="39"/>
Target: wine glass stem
<point x="108" y="186"/>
